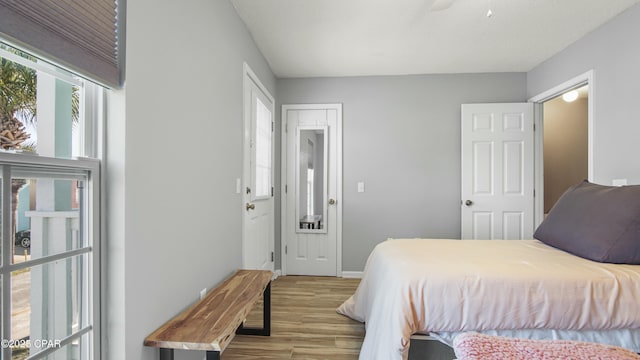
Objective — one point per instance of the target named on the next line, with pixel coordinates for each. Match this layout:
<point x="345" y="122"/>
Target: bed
<point x="580" y="280"/>
<point x="521" y="288"/>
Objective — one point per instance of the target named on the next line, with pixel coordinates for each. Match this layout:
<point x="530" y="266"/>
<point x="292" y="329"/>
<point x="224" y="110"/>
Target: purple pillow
<point x="596" y="222"/>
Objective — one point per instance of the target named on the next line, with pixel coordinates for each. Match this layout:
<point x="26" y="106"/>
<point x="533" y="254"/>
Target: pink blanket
<point x="475" y="346"/>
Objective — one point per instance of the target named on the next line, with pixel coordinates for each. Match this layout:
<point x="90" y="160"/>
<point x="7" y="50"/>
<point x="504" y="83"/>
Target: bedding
<point x="627" y="338"/>
<point x="475" y="346"/>
<point x="436" y="285"/>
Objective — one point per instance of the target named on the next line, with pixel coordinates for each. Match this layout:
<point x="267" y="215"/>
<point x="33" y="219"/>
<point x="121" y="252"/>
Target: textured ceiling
<point x="311" y="38"/>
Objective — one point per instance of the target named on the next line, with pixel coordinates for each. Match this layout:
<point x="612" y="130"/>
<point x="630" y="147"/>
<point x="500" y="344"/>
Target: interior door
<point x="497" y="171"/>
<point x="312" y="189"/>
<point x="257" y="194"/>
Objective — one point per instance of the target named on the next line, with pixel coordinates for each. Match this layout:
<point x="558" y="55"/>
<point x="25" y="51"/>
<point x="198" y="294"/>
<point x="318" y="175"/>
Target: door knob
<point x="250" y="206"/>
<point x="468" y="202"/>
<point x="332" y="202"/>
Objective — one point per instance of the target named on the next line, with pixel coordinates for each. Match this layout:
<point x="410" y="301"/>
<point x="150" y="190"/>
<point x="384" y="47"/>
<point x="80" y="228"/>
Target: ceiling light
<point x="570" y="96"/>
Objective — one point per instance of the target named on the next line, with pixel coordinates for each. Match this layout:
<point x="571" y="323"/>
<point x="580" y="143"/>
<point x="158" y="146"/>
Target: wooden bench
<point x="211" y="323"/>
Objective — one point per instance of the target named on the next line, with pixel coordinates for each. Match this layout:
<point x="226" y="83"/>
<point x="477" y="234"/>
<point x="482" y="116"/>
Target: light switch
<point x="619" y="182"/>
<point x="361" y="187"/>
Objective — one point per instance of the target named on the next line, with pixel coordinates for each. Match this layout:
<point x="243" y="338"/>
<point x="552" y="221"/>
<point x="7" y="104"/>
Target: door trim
<point x="283" y="184"/>
<point x="249" y="75"/>
<point x="587" y="78"/>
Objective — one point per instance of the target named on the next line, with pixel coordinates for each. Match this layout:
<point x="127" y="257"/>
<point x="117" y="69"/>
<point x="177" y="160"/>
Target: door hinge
<point x="285" y="189"/>
<point x="285" y="249"/>
<point x="534" y="127"/>
<point x="534" y="192"/>
<point x="272" y="257"/>
<point x="286" y="127"/>
<point x="248" y="191"/>
<point x="272" y="191"/>
<point x="273" y="126"/>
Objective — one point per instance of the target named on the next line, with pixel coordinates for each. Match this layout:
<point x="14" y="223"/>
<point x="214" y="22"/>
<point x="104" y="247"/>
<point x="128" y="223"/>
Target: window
<point x="262" y="150"/>
<point x="49" y="211"/>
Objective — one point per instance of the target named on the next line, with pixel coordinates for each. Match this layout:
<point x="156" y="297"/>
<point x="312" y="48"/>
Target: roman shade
<point x="84" y="36"/>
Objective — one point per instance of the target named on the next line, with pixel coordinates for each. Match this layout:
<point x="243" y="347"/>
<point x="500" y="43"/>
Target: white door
<point x="312" y="189"/>
<point x="497" y="171"/>
<point x="257" y="193"/>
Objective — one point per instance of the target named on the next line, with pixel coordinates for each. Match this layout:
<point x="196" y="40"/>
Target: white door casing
<point x="314" y="252"/>
<point x="587" y="78"/>
<point x="497" y="171"/>
<point x="257" y="193"/>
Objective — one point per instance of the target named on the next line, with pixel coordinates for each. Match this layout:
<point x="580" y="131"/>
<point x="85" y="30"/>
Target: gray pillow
<point x="596" y="222"/>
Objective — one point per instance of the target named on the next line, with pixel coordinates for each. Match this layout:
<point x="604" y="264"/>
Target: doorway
<point x="585" y="81"/>
<point x="312" y="189"/>
<point x="566" y="143"/>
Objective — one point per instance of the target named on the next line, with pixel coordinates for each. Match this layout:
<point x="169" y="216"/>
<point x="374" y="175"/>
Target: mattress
<point x="444" y="286"/>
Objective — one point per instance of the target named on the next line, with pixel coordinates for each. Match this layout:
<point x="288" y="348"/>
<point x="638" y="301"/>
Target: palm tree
<point x="17" y="97"/>
<point x="18" y="100"/>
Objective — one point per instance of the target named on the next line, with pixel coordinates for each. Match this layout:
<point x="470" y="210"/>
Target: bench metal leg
<point x="166" y="354"/>
<point x="266" y="317"/>
<point x="213" y="355"/>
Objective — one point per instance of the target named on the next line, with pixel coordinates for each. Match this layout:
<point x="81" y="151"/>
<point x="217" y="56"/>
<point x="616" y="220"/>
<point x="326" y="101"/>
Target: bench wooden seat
<point x="211" y="323"/>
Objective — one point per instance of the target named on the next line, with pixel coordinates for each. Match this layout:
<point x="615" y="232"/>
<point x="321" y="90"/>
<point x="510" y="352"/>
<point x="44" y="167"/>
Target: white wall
<point x="171" y="195"/>
<point x="401" y="136"/>
<point x="613" y="52"/>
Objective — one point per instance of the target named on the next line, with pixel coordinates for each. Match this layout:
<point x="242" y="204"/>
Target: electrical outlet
<point x="203" y="293"/>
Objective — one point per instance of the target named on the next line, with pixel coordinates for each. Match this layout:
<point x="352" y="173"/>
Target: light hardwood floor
<point x="304" y="322"/>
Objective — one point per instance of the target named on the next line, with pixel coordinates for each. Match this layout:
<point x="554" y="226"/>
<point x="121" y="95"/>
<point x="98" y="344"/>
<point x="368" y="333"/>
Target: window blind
<point x="87" y="37"/>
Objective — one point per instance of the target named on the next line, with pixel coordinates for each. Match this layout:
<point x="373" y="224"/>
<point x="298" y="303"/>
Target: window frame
<point x="93" y="98"/>
<point x="92" y="169"/>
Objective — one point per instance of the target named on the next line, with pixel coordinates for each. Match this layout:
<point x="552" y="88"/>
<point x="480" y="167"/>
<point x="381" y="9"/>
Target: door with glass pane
<point x="257" y="205"/>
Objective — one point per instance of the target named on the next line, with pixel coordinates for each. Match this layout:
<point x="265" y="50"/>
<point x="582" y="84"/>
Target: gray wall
<point x="174" y="152"/>
<point x="171" y="230"/>
<point x="401" y="136"/>
<point x="613" y="52"/>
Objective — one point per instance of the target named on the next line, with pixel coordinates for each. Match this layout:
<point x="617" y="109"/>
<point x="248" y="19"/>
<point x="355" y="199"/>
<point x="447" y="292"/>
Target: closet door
<point x="497" y="171"/>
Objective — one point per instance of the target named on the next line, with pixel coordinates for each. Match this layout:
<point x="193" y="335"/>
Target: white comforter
<point x="425" y="285"/>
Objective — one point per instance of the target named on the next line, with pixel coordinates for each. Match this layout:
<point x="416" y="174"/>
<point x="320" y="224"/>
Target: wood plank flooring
<point x="304" y="322"/>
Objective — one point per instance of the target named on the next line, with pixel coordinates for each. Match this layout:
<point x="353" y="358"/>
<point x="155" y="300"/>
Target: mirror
<point x="311" y="179"/>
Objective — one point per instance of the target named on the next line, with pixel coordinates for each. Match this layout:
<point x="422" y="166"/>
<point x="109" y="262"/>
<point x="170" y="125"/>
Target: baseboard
<point x="352" y="274"/>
